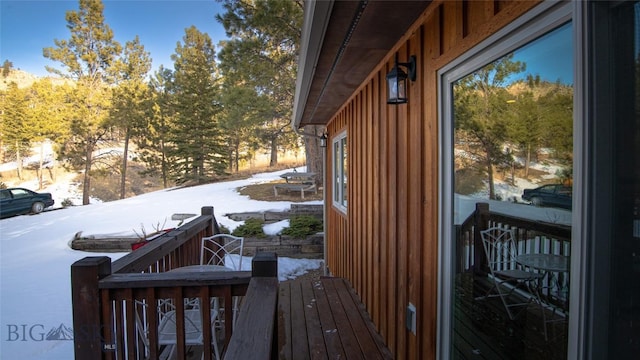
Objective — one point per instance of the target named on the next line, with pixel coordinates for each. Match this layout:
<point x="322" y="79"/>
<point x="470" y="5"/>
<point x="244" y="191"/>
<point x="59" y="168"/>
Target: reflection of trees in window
<point x="480" y="111"/>
<point x="496" y="120"/>
<point x="541" y="117"/>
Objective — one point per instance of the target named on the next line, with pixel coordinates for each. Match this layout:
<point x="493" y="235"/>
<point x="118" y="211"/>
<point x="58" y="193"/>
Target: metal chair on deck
<point x="500" y="250"/>
<point x="220" y="250"/>
<point x="193" y="335"/>
<point x="223" y="249"/>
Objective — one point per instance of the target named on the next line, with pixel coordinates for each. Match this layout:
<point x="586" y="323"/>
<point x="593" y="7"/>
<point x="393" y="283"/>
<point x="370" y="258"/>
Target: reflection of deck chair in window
<point x="500" y="249"/>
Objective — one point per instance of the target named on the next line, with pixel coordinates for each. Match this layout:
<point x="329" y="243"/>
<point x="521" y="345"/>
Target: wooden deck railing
<point x="114" y="304"/>
<point x="533" y="237"/>
<point x="179" y="247"/>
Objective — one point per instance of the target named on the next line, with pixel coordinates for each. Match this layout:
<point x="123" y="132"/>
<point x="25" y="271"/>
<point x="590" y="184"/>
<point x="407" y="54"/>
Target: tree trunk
<point x="18" y="160"/>
<point x="527" y="162"/>
<point x="237" y="154"/>
<point x="274" y="152"/>
<point x="200" y="165"/>
<point x="492" y="188"/>
<point x="163" y="166"/>
<point x="229" y="148"/>
<point x="86" y="184"/>
<point x="123" y="171"/>
<point x="313" y="152"/>
<point x="40" y="167"/>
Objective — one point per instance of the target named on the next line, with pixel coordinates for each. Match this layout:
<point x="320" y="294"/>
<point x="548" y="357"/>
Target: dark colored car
<point x="16" y="201"/>
<point x="554" y="195"/>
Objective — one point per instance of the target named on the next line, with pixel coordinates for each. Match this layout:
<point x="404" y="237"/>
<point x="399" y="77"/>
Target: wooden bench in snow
<point x="295" y="187"/>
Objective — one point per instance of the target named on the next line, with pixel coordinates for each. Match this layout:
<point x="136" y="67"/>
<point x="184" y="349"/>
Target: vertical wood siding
<point x="386" y="244"/>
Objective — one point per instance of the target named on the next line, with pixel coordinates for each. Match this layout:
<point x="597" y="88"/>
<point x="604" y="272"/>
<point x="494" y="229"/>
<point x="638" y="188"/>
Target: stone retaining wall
<point x="274" y="216"/>
<point x="311" y="247"/>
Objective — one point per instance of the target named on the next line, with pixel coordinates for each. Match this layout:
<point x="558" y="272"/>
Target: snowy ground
<point x="35" y="259"/>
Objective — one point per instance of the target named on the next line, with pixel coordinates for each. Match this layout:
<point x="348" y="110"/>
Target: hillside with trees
<point x="502" y="126"/>
<point x="217" y="108"/>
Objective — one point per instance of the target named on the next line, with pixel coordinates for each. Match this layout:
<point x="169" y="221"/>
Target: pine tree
<point x="262" y="55"/>
<point x="197" y="152"/>
<point x="480" y="109"/>
<point x="88" y="58"/>
<point x="130" y="97"/>
<point x="6" y="68"/>
<point x="48" y="112"/>
<point x="151" y="135"/>
<point x="16" y="129"/>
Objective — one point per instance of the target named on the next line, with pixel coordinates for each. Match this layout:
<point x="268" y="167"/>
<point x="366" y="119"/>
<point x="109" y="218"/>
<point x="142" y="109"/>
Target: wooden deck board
<point x="300" y="345"/>
<point x="284" y="317"/>
<point x="325" y="319"/>
<point x="346" y="333"/>
<point x="327" y="312"/>
<point x="317" y="348"/>
<point x="358" y="319"/>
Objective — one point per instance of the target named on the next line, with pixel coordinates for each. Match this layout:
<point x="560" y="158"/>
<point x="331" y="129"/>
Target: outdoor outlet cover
<point x="411" y="318"/>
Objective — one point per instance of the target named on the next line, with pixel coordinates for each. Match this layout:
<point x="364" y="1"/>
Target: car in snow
<point x="17" y="201"/>
<point x="553" y="195"/>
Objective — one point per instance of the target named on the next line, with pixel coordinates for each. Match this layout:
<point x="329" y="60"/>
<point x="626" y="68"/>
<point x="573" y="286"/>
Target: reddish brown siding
<point x="386" y="244"/>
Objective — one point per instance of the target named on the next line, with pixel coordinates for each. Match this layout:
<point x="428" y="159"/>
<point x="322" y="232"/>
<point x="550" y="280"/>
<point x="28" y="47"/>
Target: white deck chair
<point x="192" y="329"/>
<point x="142" y="328"/>
<point x="500" y="249"/>
<point x="223" y="249"/>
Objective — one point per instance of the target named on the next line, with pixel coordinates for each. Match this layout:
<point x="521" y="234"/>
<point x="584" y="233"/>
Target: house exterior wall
<point x="386" y="242"/>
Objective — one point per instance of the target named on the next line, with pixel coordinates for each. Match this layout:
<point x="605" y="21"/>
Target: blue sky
<point x="26" y="27"/>
<point x="550" y="56"/>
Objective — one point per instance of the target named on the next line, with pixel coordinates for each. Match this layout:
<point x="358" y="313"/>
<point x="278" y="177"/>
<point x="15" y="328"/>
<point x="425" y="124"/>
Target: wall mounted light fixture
<point x="397" y="81"/>
<point x="323" y="140"/>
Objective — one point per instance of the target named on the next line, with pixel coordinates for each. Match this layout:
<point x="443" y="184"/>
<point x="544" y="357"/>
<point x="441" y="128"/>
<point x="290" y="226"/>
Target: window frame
<point x="339" y="181"/>
<point x="540" y="20"/>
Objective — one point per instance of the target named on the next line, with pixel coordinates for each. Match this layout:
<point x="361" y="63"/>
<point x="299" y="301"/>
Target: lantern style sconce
<point x="397" y="81"/>
<point x="323" y="140"/>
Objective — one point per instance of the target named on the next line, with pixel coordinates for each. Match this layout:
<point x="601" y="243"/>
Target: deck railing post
<point x="481" y="223"/>
<point x="85" y="298"/>
<point x="253" y="338"/>
<point x="264" y="264"/>
<point x="212" y="229"/>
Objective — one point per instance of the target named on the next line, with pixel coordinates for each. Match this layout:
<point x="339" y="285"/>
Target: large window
<point x="340" y="171"/>
<point x="508" y="135"/>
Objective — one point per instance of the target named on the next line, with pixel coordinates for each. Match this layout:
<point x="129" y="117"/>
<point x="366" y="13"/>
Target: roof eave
<point x="316" y="19"/>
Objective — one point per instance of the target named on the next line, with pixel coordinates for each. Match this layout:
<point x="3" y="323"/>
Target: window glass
<point x="513" y="136"/>
<point x="19" y="193"/>
<point x="340" y="171"/>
